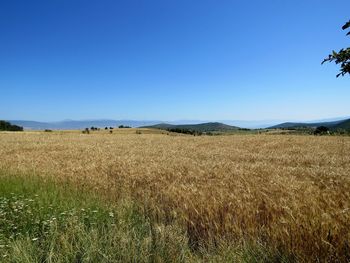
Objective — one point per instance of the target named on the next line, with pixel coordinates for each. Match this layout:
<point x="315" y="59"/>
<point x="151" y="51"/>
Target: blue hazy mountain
<point x="78" y="124"/>
<point x="101" y="123"/>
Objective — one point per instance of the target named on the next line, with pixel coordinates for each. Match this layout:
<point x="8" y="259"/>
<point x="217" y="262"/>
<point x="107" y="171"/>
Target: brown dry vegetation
<point x="288" y="193"/>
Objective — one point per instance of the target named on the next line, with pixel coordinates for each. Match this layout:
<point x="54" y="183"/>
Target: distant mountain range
<point x="333" y="125"/>
<point x="202" y="127"/>
<point x="336" y="123"/>
<point x="101" y="123"/>
<point x="78" y="125"/>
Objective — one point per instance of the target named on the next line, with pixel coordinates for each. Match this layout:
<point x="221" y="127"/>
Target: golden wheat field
<point x="291" y="193"/>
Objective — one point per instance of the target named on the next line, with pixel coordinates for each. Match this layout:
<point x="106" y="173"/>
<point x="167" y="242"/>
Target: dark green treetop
<point x="341" y="57"/>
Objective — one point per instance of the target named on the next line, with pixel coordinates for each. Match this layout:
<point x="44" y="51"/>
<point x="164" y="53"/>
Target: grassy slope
<point x="42" y="221"/>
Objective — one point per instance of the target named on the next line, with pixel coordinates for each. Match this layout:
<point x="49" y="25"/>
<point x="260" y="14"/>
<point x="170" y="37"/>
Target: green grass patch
<point x="42" y="221"/>
<point x="45" y="221"/>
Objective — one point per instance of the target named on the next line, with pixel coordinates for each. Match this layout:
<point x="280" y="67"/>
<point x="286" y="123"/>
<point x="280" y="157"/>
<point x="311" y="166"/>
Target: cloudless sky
<point x="172" y="59"/>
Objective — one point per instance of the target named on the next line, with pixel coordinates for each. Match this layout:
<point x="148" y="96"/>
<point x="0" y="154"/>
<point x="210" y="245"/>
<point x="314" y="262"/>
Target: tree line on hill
<point x="185" y="131"/>
<point x="87" y="130"/>
<point x="6" y="126"/>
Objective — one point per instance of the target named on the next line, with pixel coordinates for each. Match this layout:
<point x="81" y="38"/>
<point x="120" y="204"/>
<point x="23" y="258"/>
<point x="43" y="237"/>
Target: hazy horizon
<point x="320" y="118"/>
<point x="79" y="124"/>
<point x="187" y="120"/>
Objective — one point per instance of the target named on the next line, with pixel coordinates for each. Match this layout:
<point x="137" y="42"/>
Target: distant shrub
<point x="47" y="130"/>
<point x="86" y="131"/>
<point x="110" y="131"/>
<point x="123" y="127"/>
<point x="6" y="126"/>
<point x="138" y="132"/>
<point x="321" y="130"/>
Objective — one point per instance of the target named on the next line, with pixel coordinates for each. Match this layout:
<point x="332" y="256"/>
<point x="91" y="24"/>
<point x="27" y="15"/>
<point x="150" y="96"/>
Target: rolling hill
<point x="82" y="124"/>
<point x="195" y="126"/>
<point x="202" y="127"/>
<point x="342" y="125"/>
<point x="333" y="125"/>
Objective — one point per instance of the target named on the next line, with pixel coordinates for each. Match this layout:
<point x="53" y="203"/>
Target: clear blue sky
<point x="171" y="59"/>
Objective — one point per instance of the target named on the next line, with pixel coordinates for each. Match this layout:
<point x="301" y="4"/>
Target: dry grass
<point x="288" y="193"/>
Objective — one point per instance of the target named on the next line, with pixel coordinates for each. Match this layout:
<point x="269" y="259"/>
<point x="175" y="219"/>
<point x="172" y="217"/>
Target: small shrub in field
<point x="321" y="130"/>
